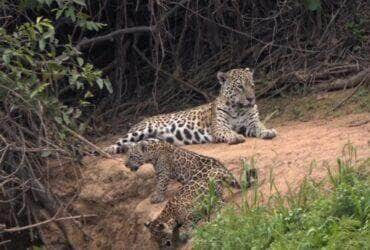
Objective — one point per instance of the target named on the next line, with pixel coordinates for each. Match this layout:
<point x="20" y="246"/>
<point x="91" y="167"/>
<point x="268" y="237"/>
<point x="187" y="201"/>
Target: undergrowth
<point x="315" y="217"/>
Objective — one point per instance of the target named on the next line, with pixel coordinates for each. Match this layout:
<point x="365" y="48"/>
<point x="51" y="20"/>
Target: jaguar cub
<point x="229" y="118"/>
<point x="179" y="214"/>
<point x="171" y="162"/>
<point x="194" y="171"/>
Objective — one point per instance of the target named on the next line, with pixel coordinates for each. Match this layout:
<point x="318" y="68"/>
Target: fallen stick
<point x="17" y="229"/>
<point x="350" y="82"/>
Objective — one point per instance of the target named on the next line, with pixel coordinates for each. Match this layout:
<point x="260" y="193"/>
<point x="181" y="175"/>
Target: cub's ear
<point x="147" y="224"/>
<point x="222" y="77"/>
<point x="143" y="146"/>
<point x="248" y="70"/>
<point x="161" y="226"/>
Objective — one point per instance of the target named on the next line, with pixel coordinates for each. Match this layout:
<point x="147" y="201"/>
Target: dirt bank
<point x="120" y="198"/>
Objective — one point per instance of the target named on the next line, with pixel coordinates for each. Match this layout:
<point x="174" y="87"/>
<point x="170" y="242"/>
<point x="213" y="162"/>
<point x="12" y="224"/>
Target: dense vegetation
<point x="313" y="218"/>
<point x="69" y="66"/>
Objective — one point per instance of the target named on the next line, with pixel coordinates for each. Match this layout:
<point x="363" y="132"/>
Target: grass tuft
<point x="311" y="218"/>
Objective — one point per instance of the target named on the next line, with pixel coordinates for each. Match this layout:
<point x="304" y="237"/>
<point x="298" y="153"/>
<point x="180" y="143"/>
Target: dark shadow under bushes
<point x="291" y="45"/>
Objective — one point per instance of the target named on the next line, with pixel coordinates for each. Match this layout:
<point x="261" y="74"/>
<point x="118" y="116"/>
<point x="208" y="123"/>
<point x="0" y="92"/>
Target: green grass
<point x="316" y="217"/>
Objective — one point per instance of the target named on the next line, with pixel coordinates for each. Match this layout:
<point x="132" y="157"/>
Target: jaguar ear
<point x="147" y="224"/>
<point x="222" y="77"/>
<point x="124" y="148"/>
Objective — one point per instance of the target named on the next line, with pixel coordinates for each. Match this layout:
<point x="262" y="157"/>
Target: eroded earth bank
<point x="119" y="198"/>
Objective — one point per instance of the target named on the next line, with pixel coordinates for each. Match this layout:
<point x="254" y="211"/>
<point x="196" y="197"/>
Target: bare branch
<point x="120" y="32"/>
<point x="17" y="229"/>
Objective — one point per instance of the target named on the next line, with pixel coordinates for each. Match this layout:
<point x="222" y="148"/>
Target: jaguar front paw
<point x="268" y="134"/>
<point x="236" y="139"/>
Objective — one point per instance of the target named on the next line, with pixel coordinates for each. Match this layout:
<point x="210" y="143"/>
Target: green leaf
<point x="59" y="13"/>
<point x="6" y="58"/>
<point x="80" y="2"/>
<point x="66" y="118"/>
<point x="39" y="19"/>
<point x="79" y="85"/>
<point x="313" y="5"/>
<point x="100" y="83"/>
<point x="108" y="85"/>
<point x="42" y="44"/>
<point x="70" y="12"/>
<point x="89" y="94"/>
<point x="39" y="90"/>
<point x="45" y="154"/>
<point x="77" y="113"/>
<point x="80" y="61"/>
<point x="58" y="120"/>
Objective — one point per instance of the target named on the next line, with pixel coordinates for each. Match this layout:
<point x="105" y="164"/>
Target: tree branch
<point x="120" y="32"/>
<point x="139" y="29"/>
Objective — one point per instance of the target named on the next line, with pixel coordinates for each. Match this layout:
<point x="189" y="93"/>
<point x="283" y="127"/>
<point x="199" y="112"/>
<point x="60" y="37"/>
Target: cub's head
<point x="142" y="152"/>
<point x="163" y="233"/>
<point x="237" y="88"/>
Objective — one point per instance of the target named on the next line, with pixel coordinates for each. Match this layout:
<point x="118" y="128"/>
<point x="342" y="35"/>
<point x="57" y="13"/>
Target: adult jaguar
<point x="231" y="117"/>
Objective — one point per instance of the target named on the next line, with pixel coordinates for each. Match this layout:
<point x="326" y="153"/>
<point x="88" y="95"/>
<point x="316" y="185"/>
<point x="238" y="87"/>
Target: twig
<point x="173" y="77"/>
<point x="4" y="242"/>
<point x="349" y="96"/>
<point x="16" y="229"/>
<point x="112" y="35"/>
<point x="87" y="142"/>
<point x="358" y="123"/>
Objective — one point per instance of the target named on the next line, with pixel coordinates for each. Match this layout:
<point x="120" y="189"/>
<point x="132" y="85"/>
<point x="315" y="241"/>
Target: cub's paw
<point x="268" y="134"/>
<point x="112" y="149"/>
<point x="184" y="237"/>
<point x="236" y="139"/>
<point x="251" y="177"/>
<point x="157" y="198"/>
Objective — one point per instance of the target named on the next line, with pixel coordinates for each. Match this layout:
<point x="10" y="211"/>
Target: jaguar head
<point x="237" y="88"/>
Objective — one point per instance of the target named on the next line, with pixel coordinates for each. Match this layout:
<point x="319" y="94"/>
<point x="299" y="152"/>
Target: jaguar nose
<point x="132" y="167"/>
<point x="250" y="99"/>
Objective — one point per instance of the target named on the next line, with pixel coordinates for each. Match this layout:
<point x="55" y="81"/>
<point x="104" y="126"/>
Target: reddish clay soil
<point x="120" y="198"/>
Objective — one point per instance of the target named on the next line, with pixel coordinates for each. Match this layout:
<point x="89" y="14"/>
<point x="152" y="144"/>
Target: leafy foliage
<point x="46" y="86"/>
<point x="312" y="5"/>
<point x="38" y="70"/>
